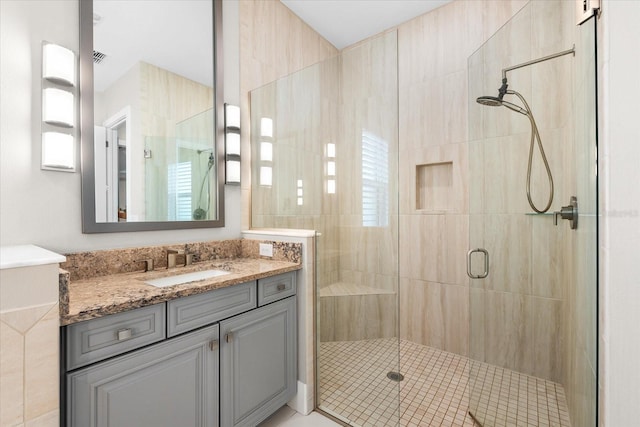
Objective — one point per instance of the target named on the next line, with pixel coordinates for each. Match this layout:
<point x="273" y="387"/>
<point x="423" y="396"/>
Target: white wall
<point x="43" y="207"/>
<point x="619" y="69"/>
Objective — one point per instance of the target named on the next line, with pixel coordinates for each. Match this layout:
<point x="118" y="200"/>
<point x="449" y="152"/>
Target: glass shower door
<point x="325" y="158"/>
<point x="533" y="317"/>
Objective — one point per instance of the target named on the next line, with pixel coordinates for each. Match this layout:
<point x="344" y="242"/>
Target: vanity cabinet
<point x="257" y="363"/>
<point x="225" y="357"/>
<point x="174" y="383"/>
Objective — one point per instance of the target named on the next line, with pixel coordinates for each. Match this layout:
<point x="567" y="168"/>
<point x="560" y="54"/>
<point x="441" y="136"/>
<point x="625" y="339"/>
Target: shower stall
<point x="447" y="291"/>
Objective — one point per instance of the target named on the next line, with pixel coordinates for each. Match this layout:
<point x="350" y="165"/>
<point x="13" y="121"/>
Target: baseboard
<point x="303" y="400"/>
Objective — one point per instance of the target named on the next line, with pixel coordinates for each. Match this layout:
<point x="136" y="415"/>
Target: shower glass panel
<point x="325" y="157"/>
<point x="533" y="318"/>
<point x="179" y="172"/>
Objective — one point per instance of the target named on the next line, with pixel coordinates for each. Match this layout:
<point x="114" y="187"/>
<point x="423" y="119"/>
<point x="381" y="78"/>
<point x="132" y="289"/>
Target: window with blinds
<point x="375" y="181"/>
<point x="179" y="199"/>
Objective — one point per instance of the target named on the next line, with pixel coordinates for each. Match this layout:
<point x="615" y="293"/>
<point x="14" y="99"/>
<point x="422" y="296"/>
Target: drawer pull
<point x="213" y="345"/>
<point x="229" y="337"/>
<point x="281" y="287"/>
<point x="124" y="334"/>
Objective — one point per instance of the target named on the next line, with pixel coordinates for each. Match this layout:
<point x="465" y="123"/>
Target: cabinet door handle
<point x="281" y="287"/>
<point x="213" y="345"/>
<point x="229" y="337"/>
<point x="124" y="334"/>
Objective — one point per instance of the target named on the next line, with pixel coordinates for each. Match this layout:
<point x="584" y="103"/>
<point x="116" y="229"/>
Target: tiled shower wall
<point x="434" y="158"/>
<point x="335" y="102"/>
<point x="439" y="152"/>
<point x="274" y="43"/>
<point x="517" y="312"/>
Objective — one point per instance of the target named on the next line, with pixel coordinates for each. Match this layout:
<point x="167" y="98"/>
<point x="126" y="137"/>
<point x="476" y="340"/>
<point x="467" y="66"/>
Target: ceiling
<point x="134" y="30"/>
<point x="345" y="22"/>
<point x="175" y="35"/>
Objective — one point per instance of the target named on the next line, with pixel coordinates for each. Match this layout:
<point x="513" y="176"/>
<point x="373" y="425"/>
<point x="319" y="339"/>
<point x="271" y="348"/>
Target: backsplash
<point x="84" y="265"/>
<point x="282" y="251"/>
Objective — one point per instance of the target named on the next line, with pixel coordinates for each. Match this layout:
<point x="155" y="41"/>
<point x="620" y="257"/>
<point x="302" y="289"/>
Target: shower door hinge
<point x="585" y="9"/>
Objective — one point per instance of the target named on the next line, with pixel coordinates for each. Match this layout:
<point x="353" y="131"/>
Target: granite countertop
<point x="100" y="296"/>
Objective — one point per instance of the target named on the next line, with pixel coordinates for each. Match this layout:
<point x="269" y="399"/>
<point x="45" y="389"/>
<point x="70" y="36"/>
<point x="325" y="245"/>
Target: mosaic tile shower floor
<point x="354" y="387"/>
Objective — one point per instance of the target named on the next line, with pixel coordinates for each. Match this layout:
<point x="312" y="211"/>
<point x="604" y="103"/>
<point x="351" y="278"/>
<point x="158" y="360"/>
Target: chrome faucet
<point x="172" y="257"/>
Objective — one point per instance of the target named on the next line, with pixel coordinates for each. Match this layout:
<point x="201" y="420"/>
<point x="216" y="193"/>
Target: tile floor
<point x="354" y="388"/>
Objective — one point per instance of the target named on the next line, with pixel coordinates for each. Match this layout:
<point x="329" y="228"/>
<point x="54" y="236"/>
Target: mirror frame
<point x="89" y="224"/>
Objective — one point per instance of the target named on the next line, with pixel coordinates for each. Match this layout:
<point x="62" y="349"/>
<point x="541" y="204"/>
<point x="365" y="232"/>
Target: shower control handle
<point x="569" y="212"/>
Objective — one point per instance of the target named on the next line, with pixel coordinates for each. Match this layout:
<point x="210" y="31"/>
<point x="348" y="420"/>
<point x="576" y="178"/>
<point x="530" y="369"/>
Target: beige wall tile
<point x="435" y="314"/>
<point x="548" y="259"/>
<point x="505" y="174"/>
<point x="11" y="376"/>
<point x="508" y="331"/>
<point x="22" y="320"/>
<point x="41" y="367"/>
<point x="358" y="317"/>
<point x="28" y="287"/>
<point x="508" y="240"/>
<point x="497" y="12"/>
<point x="456" y="314"/>
<point x="548" y="338"/>
<point x="477" y="327"/>
<point x="50" y="419"/>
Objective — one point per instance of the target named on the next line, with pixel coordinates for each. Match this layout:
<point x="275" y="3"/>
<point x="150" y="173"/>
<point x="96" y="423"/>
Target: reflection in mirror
<point x="151" y="113"/>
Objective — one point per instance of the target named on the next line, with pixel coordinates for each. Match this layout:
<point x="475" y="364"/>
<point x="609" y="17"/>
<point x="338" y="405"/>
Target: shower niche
<point x="434" y="187"/>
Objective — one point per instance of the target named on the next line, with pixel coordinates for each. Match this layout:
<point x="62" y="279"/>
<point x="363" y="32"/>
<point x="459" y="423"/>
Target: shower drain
<point x="395" y="376"/>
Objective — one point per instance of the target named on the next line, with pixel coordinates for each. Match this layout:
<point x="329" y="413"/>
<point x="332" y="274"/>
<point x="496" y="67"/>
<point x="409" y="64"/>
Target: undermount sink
<point x="185" y="278"/>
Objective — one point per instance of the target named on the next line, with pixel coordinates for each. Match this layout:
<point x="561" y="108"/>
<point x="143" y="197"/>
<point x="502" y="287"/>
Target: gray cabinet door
<point x="258" y="364"/>
<point x="173" y="383"/>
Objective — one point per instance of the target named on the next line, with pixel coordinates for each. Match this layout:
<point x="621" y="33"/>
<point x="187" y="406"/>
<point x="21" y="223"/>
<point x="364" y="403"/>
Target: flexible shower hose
<point x="535" y="136"/>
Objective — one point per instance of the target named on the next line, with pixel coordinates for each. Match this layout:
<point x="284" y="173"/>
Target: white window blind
<point x="179" y="183"/>
<point x="375" y="181"/>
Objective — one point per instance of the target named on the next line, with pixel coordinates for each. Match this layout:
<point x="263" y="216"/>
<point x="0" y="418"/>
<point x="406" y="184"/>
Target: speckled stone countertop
<point x="85" y="296"/>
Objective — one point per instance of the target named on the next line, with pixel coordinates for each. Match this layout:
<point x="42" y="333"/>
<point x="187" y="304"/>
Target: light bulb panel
<point x="58" y="107"/>
<point x="232" y="116"/>
<point x="233" y="144"/>
<point x="233" y="171"/>
<point x="266" y="127"/>
<point x="58" y="64"/>
<point x="58" y="151"/>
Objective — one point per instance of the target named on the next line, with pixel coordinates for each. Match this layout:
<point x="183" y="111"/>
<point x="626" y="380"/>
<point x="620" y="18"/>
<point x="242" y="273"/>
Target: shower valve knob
<point x="569" y="212"/>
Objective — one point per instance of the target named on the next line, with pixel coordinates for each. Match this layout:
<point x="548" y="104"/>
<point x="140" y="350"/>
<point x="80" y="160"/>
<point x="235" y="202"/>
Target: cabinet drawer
<point x="98" y="339"/>
<point x="275" y="288"/>
<point x="185" y="314"/>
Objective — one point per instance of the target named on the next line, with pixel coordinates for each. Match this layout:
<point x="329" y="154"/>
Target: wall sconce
<point x="58" y="108"/>
<point x="331" y="168"/>
<point x="232" y="143"/>
<point x="299" y="192"/>
<point x="266" y="152"/>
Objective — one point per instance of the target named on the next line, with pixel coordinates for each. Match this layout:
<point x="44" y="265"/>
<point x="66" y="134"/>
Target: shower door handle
<point x="485" y="273"/>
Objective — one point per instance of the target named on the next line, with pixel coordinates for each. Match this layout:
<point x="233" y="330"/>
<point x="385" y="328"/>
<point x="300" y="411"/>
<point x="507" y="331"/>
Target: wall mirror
<point x="151" y="115"/>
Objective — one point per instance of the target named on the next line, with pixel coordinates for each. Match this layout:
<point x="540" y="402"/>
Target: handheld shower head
<point x="490" y="101"/>
<point x="497" y="101"/>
